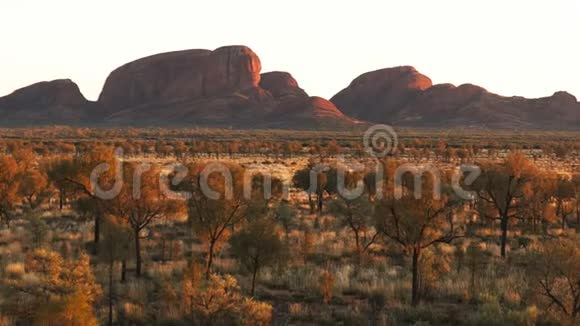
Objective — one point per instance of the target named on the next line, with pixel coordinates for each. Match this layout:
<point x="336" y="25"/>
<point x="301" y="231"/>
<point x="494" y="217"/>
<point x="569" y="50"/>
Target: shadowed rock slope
<point x="404" y="97"/>
<point x="46" y="103"/>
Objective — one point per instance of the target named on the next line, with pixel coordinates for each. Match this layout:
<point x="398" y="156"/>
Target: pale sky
<point x="511" y="47"/>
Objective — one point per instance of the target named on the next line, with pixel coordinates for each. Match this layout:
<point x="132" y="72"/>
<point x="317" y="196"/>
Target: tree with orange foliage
<point x="504" y="187"/>
<point x="9" y="185"/>
<point x="57" y="171"/>
<point x="555" y="274"/>
<point x="78" y="176"/>
<point x="576" y="182"/>
<point x="33" y="187"/>
<point x="565" y="196"/>
<point x="313" y="179"/>
<point x="140" y="202"/>
<point x="217" y="300"/>
<point x="258" y="245"/>
<point x="538" y="208"/>
<point x="416" y="223"/>
<point x="326" y="283"/>
<point x="24" y="157"/>
<point x="211" y="218"/>
<point x="114" y="248"/>
<point x="63" y="292"/>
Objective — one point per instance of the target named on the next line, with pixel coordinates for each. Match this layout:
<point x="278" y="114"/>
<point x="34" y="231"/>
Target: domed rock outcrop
<point x="158" y="78"/>
<point x="307" y="113"/>
<point x="183" y="75"/>
<point x="200" y="87"/>
<point x="56" y="92"/>
<point x="224" y="88"/>
<point x="52" y="102"/>
<point x="402" y="96"/>
<point x="564" y="98"/>
<point x="231" y="68"/>
<point x="281" y="84"/>
<point x="377" y="93"/>
<point x="295" y="108"/>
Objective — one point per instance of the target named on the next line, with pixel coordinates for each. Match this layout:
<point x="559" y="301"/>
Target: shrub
<point x="326" y="286"/>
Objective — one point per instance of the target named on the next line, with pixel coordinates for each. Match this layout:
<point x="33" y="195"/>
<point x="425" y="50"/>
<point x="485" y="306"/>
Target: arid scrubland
<point x="285" y="242"/>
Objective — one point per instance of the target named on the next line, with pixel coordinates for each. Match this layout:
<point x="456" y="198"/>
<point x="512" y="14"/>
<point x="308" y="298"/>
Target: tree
<point x="450" y="154"/>
<point x="33" y="187"/>
<point x="192" y="279"/>
<point x="79" y="277"/>
<point x="262" y="195"/>
<point x="115" y="248"/>
<point x="440" y="149"/>
<point x="416" y="224"/>
<point x="313" y="179"/>
<point x="217" y="301"/>
<point x="564" y="196"/>
<point x="476" y="259"/>
<point x="333" y="148"/>
<point x="301" y="180"/>
<point x="63" y="290"/>
<point x="555" y="273"/>
<point x="139" y="206"/>
<point x="354" y="213"/>
<point x="538" y="206"/>
<point x="57" y="171"/>
<point x="9" y="185"/>
<point x="503" y="187"/>
<point x="562" y="150"/>
<point x="258" y="245"/>
<point x="285" y="215"/>
<point x="326" y="284"/>
<point x="210" y="217"/>
<point x="79" y="177"/>
<point x="576" y="182"/>
<point x="321" y="184"/>
<point x="357" y="215"/>
<point x="37" y="228"/>
<point x="24" y="157"/>
<point x="71" y="310"/>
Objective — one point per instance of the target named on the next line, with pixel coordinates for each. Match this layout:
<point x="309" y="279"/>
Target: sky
<point x="516" y="47"/>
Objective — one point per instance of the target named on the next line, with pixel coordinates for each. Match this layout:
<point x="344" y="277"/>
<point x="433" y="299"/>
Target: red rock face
<point x="199" y="87"/>
<point x="281" y="84"/>
<point x="183" y="75"/>
<point x="397" y="79"/>
<point x="163" y="77"/>
<point x="224" y="88"/>
<point x="294" y="107"/>
<point x="308" y="113"/>
<point x="54" y="102"/>
<point x="56" y="92"/>
<point x="380" y="92"/>
<point x="323" y="108"/>
<point x="402" y="96"/>
<point x="231" y="68"/>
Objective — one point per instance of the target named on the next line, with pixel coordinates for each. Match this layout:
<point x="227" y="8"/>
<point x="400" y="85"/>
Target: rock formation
<point x="210" y="88"/>
<point x="224" y="88"/>
<point x="53" y="102"/>
<point x="404" y="97"/>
